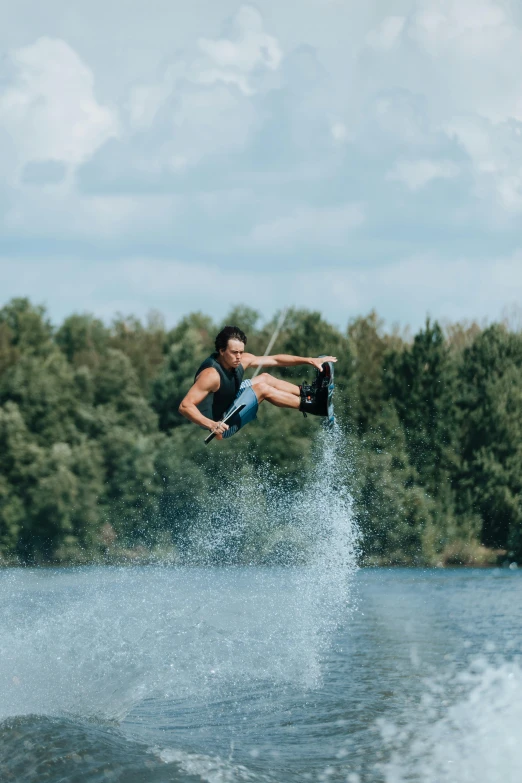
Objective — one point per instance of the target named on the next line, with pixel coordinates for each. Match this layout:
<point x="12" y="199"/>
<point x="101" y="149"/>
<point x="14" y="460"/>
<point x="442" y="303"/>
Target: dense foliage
<point x="95" y="460"/>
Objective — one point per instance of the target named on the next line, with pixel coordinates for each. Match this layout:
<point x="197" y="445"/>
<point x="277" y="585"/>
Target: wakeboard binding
<point x="316" y="399"/>
<point x="324" y="381"/>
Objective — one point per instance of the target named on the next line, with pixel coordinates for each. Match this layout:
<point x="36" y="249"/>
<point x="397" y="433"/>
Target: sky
<point x="336" y="155"/>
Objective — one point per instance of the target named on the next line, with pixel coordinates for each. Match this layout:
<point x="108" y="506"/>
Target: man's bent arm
<point x="206" y="383"/>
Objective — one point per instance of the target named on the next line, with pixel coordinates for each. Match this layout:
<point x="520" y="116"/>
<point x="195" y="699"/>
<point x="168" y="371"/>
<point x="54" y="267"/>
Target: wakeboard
<point x="325" y="379"/>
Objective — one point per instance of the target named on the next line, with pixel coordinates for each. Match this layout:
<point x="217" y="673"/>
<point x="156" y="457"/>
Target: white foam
<point x="467" y="729"/>
<point x="210" y="769"/>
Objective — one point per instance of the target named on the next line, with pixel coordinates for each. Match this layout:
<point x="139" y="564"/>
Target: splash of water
<point x="311" y="530"/>
<point x="95" y="641"/>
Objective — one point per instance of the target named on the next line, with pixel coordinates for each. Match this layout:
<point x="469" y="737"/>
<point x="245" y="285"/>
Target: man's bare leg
<point x="278" y="397"/>
<point x="276" y="383"/>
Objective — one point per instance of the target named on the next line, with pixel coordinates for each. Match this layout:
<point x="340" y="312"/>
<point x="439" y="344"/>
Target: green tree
<point x="394" y="512"/>
<point x="44" y="389"/>
<point x="145" y="346"/>
<point x="87" y="465"/>
<point x="421" y="381"/>
<point x="194" y="322"/>
<point x="39" y="491"/>
<point x="368" y="347"/>
<point x="83" y="339"/>
<point x="28" y="329"/>
<point x="491" y="433"/>
<point x="52" y="494"/>
<point x="184" y="485"/>
<point x="116" y="385"/>
<point x="17" y="453"/>
<point x="246" y="318"/>
<point x="132" y="488"/>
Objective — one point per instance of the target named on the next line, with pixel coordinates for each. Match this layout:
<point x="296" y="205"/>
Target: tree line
<point x="97" y="463"/>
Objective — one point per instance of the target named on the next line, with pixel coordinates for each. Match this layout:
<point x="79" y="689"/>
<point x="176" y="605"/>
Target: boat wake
<point x="465" y="729"/>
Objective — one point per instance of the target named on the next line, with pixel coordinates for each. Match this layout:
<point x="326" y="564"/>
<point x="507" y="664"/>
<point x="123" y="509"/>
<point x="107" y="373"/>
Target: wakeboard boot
<point x="314" y="401"/>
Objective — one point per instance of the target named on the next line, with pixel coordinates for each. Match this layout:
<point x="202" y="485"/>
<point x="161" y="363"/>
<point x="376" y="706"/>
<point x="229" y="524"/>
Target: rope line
<point x="274" y="337"/>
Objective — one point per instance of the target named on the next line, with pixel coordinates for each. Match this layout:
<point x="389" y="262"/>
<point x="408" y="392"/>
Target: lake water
<point x="210" y="674"/>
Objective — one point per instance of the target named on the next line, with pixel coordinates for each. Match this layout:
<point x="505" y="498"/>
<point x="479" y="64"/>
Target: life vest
<point x="216" y="403"/>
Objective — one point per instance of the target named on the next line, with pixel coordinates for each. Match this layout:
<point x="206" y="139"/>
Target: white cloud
<point x="146" y="99"/>
<point x="203" y="102"/>
<point x="339" y="132"/>
<point x="252" y="45"/>
<point x="386" y="34"/>
<point x="455" y="289"/>
<point x="509" y="189"/>
<point x="214" y="76"/>
<point x="495" y="151"/>
<point x="448" y="80"/>
<point x="308" y="226"/>
<point x="56" y="211"/>
<point x="233" y="59"/>
<point x="50" y="110"/>
<point x="472" y="26"/>
<point x="415" y="174"/>
<point x="474" y="135"/>
<point x="209" y="122"/>
<point x="472" y="49"/>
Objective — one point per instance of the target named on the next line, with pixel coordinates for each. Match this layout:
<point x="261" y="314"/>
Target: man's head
<point x="230" y="345"/>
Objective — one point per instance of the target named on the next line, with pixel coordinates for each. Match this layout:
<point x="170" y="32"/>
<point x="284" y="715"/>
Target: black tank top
<point x="216" y="403"/>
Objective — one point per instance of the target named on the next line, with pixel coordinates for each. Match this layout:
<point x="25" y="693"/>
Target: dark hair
<point x="229" y="333"/>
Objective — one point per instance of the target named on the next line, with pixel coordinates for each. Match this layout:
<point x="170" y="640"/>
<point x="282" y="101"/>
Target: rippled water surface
<point x="261" y="674"/>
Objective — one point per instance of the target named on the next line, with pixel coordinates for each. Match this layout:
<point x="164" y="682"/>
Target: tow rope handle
<point x="224" y="421"/>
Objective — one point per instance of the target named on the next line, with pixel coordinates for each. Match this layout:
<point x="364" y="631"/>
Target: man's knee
<point x="266" y="378"/>
<point x="261" y="388"/>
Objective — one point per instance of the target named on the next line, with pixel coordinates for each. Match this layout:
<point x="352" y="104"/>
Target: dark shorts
<point x="246" y="396"/>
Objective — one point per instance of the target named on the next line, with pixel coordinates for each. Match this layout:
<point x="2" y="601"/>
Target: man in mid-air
<point x="219" y="384"/>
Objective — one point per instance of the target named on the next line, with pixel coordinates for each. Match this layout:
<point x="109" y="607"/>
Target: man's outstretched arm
<point x="284" y="360"/>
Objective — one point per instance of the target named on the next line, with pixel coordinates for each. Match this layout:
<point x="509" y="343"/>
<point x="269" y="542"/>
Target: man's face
<point x="231" y="357"/>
